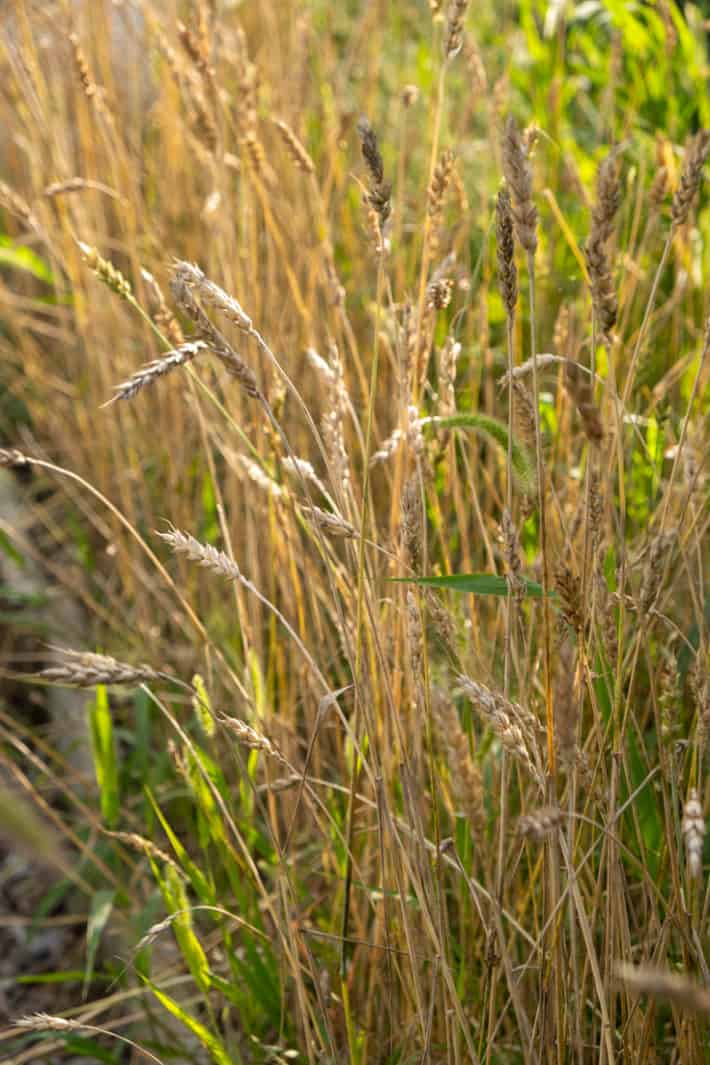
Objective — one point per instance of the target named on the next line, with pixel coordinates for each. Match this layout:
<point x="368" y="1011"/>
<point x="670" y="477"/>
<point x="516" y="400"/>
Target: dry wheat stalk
<point x="454" y="28"/>
<point x="596" y="253"/>
<point x="465" y="775"/>
<point x="511" y="553"/>
<point x="541" y="823"/>
<point x="448" y="357"/>
<point x="250" y="738"/>
<point x="566" y="705"/>
<point x="518" y="175"/>
<point x="695" y="155"/>
<point x="83" y="669"/>
<point x="11" y="457"/>
<point x="693" y="830"/>
<point x="510" y="722"/>
<point x="294" y="147"/>
<point x="569" y="588"/>
<point x="148" y="374"/>
<point x="505" y="251"/>
<point x="189" y="276"/>
<point x="380" y="191"/>
<point x="105" y="271"/>
<point x="329" y="522"/>
<point x="412" y="523"/>
<point x="204" y="554"/>
<point x="672" y="987"/>
<point x="182" y="284"/>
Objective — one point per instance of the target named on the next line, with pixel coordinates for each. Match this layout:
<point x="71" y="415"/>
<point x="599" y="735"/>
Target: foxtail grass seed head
<point x="105" y="271"/>
<point x="82" y="669"/>
<point x="695" y="156"/>
<point x="518" y="174"/>
<point x="693" y="829"/>
<point x="505" y="251"/>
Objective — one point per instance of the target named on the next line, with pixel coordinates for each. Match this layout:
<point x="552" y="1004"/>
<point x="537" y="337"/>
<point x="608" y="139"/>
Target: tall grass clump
<point x="356" y="388"/>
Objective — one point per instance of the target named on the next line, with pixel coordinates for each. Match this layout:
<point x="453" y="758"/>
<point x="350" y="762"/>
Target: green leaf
<point x="21" y="258"/>
<point x="197" y="878"/>
<point x="476" y="583"/>
<point x="209" y="1041"/>
<point x="523" y="465"/>
<point x="104" y="749"/>
<point x="99" y="913"/>
<point x="176" y="902"/>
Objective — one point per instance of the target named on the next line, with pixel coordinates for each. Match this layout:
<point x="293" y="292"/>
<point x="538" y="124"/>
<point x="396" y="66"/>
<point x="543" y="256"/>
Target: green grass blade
<point x="523" y="464"/>
<point x="104" y="748"/>
<point x="476" y="583"/>
<point x="209" y="1041"/>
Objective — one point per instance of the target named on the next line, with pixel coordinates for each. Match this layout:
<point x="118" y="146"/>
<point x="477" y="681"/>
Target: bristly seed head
<point x="518" y="174"/>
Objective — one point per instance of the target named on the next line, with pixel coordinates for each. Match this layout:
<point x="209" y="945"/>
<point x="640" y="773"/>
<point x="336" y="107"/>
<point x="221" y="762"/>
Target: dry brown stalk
<point x="83" y="669"/>
<point x="518" y="175"/>
<point x="294" y="147"/>
<point x="541" y="823"/>
<point x="695" y="155"/>
<point x="505" y="251"/>
<point x="693" y="830"/>
<point x="380" y="191"/>
<point x="148" y="374"/>
<point x="596" y="252"/>
<point x="466" y="781"/>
